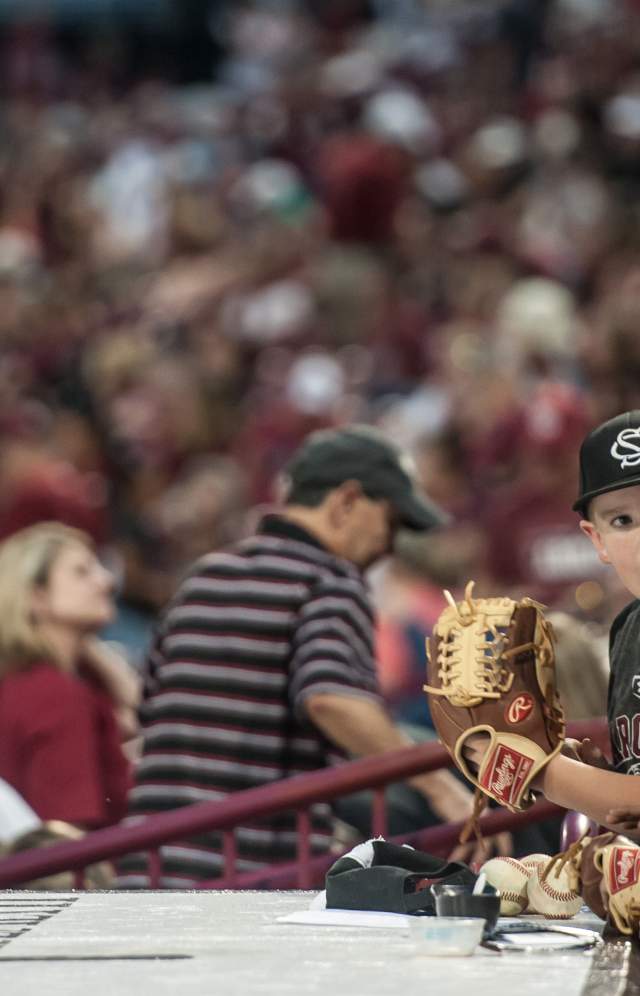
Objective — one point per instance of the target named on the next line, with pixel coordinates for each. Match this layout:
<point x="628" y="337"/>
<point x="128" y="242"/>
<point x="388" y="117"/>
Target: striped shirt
<point x="251" y="633"/>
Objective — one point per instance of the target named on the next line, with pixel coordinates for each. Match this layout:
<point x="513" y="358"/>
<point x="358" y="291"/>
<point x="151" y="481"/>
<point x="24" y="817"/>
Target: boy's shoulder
<point x="633" y="608"/>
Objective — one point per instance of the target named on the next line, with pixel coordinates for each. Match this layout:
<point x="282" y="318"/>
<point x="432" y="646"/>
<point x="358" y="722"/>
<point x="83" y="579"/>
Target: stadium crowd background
<point x="287" y="215"/>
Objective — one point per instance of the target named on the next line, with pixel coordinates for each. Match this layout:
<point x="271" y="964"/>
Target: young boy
<point x="609" y="503"/>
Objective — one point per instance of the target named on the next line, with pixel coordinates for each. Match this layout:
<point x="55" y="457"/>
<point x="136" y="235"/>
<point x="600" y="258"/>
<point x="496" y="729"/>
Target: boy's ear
<point x="590" y="530"/>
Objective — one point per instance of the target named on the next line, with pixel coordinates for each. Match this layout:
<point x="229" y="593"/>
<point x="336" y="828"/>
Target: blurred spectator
<point x="66" y="701"/>
<point x="16" y="816"/>
<point x="544" y="556"/>
<point x="580" y="651"/>
<point x="263" y="664"/>
<point x="409" y="597"/>
<point x="49" y="832"/>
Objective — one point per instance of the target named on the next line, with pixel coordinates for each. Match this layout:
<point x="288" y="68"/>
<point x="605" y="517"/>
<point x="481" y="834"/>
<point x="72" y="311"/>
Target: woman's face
<point x="78" y="593"/>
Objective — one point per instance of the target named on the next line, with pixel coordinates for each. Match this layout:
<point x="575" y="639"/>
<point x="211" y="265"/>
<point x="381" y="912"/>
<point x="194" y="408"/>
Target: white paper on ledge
<point x="347" y="918"/>
<point x="319" y="902"/>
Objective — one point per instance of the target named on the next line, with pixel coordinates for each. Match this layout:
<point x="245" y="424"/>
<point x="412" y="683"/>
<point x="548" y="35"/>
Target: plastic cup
<point x="445" y="937"/>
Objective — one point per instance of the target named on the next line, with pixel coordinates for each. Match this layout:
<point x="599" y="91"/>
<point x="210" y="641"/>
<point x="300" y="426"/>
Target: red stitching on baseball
<point x="560" y="896"/>
<point x="511" y="861"/>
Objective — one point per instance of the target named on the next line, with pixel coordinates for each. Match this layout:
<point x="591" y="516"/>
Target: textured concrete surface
<point x="229" y="943"/>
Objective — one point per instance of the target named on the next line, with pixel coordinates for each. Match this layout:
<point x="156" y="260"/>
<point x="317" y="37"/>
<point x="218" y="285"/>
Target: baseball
<point x="553" y="897"/>
<point x="510" y="878"/>
<point x="531" y="862"/>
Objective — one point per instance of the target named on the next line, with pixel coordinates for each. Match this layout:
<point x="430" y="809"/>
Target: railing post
<point x="303" y="827"/>
<point x="379" y="813"/>
<point x="154" y="868"/>
<point x="230" y="852"/>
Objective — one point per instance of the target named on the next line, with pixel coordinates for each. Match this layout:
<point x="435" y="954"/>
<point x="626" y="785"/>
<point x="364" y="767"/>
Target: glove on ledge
<point x="605" y="871"/>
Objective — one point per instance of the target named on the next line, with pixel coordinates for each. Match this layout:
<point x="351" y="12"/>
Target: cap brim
<point x="420" y="513"/>
<point x="580" y="505"/>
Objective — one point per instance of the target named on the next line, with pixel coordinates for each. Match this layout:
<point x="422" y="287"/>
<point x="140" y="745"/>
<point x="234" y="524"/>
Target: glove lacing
<point x="553" y="713"/>
<point x="571" y="856"/>
<point x="493" y="679"/>
<point x="472" y="826"/>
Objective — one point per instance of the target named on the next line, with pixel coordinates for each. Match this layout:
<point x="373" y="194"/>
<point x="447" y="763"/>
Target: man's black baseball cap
<point x="361" y="453"/>
<point x="609" y="458"/>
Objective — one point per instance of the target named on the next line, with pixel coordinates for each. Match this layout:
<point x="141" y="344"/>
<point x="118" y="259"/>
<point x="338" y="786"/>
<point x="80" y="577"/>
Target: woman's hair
<point x="26" y="559"/>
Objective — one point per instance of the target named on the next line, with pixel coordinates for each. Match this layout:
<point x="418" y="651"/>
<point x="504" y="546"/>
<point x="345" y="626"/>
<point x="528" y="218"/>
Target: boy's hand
<point x="475" y="747"/>
<point x="625" y="821"/>
<point x="585" y="751"/>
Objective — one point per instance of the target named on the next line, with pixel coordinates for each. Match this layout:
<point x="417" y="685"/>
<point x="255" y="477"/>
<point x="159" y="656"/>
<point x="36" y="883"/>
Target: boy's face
<point x="614" y="530"/>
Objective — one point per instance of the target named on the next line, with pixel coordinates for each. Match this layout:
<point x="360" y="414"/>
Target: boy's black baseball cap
<point x="609" y="458"/>
<point x="359" y="452"/>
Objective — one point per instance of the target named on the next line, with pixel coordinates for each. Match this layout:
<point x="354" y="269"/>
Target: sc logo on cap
<point x="635" y="685"/>
<point x="626" y="448"/>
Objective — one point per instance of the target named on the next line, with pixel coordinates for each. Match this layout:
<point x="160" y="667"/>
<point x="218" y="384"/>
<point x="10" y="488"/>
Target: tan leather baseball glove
<point x="605" y="871"/>
<point x="491" y="669"/>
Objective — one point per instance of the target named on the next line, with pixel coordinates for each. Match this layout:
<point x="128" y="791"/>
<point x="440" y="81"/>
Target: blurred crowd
<point x="421" y="215"/>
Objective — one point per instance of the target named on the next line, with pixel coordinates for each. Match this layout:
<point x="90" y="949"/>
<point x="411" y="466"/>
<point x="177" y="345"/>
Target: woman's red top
<point x="60" y="747"/>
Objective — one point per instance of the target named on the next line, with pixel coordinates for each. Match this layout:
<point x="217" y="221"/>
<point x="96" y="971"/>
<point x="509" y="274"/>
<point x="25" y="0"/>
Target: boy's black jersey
<point x="623" y="709"/>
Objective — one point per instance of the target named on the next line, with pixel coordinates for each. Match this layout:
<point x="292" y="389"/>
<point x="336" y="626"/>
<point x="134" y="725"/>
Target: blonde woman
<point x="66" y="702"/>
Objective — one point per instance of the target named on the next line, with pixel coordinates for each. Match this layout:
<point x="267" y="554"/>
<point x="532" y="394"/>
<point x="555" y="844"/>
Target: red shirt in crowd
<point x="60" y="747"/>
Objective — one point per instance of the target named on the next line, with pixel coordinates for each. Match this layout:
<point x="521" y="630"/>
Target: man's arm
<point x="361" y="727"/>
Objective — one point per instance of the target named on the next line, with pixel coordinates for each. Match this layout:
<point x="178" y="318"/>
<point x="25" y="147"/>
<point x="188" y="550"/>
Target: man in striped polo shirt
<point x="263" y="663"/>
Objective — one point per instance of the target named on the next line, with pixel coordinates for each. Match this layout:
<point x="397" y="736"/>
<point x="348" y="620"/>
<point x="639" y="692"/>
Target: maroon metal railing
<point x="296" y="794"/>
<point x="435" y="840"/>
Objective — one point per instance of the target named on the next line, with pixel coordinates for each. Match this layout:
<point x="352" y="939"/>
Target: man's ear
<point x="590" y="530"/>
<point x="342" y="499"/>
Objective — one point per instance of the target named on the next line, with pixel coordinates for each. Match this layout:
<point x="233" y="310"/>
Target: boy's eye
<point x="622" y="520"/>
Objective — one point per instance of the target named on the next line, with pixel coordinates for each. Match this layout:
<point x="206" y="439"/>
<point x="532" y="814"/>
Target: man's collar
<point x="279" y="525"/>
